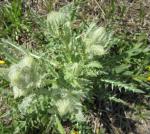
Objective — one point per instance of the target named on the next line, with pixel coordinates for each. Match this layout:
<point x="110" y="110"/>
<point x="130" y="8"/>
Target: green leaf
<point x="118" y="100"/>
<point x="120" y="85"/>
<point x="94" y="64"/>
<point x="59" y="126"/>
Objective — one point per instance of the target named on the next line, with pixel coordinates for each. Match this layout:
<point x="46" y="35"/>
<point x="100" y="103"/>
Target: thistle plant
<point x="57" y="76"/>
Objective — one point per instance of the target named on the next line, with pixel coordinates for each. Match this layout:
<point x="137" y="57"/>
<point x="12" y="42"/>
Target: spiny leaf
<point x="118" y="100"/>
<point x="122" y="85"/>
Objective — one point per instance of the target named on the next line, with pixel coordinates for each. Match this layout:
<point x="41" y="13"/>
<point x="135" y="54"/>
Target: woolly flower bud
<point x="21" y="76"/>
